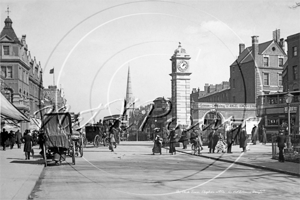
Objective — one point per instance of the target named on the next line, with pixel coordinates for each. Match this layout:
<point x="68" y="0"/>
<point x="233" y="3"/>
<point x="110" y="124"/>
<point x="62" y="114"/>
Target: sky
<point x="91" y="44"/>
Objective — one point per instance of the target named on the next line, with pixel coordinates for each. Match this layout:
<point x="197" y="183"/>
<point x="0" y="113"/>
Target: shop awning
<point x="9" y="111"/>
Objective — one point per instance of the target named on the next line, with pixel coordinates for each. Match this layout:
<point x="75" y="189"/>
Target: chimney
<point x="241" y="48"/>
<point x="281" y="44"/>
<point x="276" y="35"/>
<point x="254" y="46"/>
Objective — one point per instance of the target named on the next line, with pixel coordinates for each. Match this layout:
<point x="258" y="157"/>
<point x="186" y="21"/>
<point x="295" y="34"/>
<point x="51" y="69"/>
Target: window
<point x="233" y="83"/>
<point x="266" y="78"/>
<point x="233" y="69"/>
<point x="295" y="72"/>
<point x="6" y="50"/>
<point x="9" y="72"/>
<point x="6" y="71"/>
<point x="266" y="61"/>
<point x="280" y="79"/>
<point x="280" y="62"/>
<point x="294" y="50"/>
<point x="233" y="99"/>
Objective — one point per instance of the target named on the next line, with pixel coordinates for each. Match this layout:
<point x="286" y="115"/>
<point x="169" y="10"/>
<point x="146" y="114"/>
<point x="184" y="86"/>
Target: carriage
<point x="60" y="140"/>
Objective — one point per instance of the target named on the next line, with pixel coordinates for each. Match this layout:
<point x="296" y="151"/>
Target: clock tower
<point x="181" y="86"/>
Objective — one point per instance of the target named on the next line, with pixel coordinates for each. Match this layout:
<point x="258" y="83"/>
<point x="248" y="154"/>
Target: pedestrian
<point x="229" y="138"/>
<point x="281" y="144"/>
<point x="12" y="139"/>
<point x="221" y="145"/>
<point x="243" y="139"/>
<point x="165" y="138"/>
<point x="113" y="132"/>
<point x="214" y="138"/>
<point x="157" y="145"/>
<point x="41" y="141"/>
<point x="184" y="139"/>
<point x="27" y="140"/>
<point x="18" y="138"/>
<point x="172" y="141"/>
<point x="4" y="138"/>
<point x="264" y="135"/>
<point x="254" y="134"/>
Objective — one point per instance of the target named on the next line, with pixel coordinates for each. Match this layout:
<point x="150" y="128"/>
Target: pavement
<point x="19" y="176"/>
<point x="259" y="156"/>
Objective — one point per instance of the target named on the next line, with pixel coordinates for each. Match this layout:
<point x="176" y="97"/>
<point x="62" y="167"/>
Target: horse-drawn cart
<point x="58" y="143"/>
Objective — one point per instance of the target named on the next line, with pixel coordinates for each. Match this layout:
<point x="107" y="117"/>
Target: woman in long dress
<point x="27" y="139"/>
<point x="221" y="145"/>
<point x="172" y="139"/>
<point x="157" y="145"/>
<point x="243" y="139"/>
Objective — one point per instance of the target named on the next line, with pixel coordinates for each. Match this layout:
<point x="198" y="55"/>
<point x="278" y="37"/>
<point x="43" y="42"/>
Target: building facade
<point x="21" y="75"/>
<point x="291" y="75"/>
<point x="54" y="96"/>
<point x="256" y="71"/>
<point x="273" y="107"/>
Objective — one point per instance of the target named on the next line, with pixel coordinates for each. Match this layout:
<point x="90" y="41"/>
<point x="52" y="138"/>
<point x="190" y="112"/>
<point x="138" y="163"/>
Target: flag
<point x="52" y="71"/>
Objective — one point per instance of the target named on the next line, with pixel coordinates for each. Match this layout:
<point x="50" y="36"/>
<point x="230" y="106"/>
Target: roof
<point x="246" y="55"/>
<point x="9" y="31"/>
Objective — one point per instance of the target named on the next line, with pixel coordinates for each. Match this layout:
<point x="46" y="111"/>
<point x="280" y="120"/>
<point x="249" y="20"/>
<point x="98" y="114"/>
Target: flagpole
<point x="53" y="77"/>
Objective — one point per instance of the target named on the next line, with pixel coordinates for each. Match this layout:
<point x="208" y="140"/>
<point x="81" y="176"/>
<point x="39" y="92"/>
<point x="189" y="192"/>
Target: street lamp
<point x="288" y="99"/>
<point x="216" y="110"/>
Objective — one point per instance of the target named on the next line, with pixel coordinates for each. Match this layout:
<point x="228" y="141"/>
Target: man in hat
<point x="4" y="138"/>
<point x="281" y="144"/>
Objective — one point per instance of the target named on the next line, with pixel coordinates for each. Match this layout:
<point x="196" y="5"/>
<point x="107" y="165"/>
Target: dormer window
<point x="266" y="61"/>
<point x="6" y="50"/>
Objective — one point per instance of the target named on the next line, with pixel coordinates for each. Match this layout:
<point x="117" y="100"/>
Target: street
<point x="132" y="172"/>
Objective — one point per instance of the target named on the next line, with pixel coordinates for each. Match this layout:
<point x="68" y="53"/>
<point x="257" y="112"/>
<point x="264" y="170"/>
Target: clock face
<point x="182" y="66"/>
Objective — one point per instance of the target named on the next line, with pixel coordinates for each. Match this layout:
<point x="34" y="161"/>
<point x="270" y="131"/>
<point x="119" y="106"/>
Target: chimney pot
<point x="241" y="48"/>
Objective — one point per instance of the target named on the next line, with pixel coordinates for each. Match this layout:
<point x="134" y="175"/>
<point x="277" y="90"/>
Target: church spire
<point x="129" y="96"/>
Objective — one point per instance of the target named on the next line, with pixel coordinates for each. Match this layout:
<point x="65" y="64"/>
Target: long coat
<point x="12" y="138"/>
<point x="213" y="138"/>
<point x="229" y="136"/>
<point x="280" y="141"/>
<point x="243" y="139"/>
<point x="27" y="139"/>
<point x="18" y="137"/>
<point x="4" y="137"/>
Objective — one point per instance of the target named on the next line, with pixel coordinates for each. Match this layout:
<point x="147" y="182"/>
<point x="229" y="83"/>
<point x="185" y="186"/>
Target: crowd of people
<point x="28" y="139"/>
<point x="217" y="140"/>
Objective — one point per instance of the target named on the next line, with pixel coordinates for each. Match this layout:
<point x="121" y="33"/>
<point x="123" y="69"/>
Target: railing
<point x="295" y="140"/>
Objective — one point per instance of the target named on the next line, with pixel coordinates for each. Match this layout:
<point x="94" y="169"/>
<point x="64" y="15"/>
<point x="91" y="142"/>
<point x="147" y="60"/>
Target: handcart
<point x="57" y="128"/>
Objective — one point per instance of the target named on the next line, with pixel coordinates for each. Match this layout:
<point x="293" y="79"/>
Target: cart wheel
<point x="44" y="154"/>
<point x="73" y="153"/>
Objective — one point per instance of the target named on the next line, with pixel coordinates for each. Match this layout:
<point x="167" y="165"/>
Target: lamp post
<point x="288" y="99"/>
<point x="216" y="110"/>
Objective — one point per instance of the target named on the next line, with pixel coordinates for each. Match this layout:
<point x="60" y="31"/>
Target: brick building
<point x="261" y="65"/>
<point x="291" y="75"/>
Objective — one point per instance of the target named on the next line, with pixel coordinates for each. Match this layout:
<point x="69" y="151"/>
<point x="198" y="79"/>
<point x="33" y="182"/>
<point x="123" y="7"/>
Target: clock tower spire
<point x="181" y="86"/>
